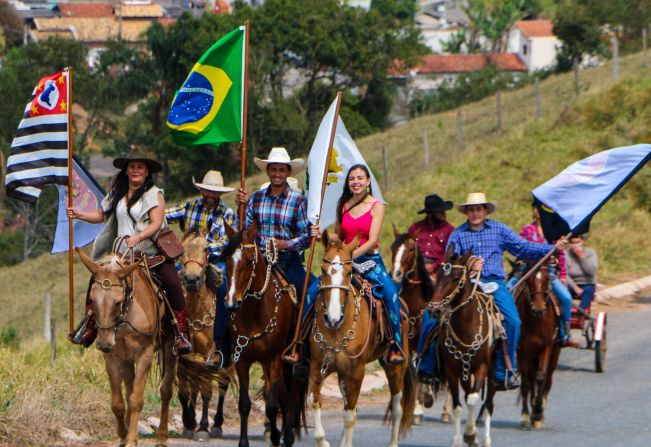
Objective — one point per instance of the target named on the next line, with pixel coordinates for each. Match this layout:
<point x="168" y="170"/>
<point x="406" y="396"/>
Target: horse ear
<point x="396" y="233"/>
<point x="325" y="238"/>
<point x="85" y="259"/>
<point x="353" y="244"/>
<point x="252" y="231"/>
<point x="230" y="232"/>
<point x="126" y="271"/>
<point x="450" y="251"/>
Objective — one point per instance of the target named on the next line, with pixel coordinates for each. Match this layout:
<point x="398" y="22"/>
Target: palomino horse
<point x="345" y="337"/>
<point x="128" y="315"/>
<point x="201" y="318"/>
<point x="539" y="349"/>
<point x="262" y="324"/>
<point x="408" y="270"/>
<point x="466" y="345"/>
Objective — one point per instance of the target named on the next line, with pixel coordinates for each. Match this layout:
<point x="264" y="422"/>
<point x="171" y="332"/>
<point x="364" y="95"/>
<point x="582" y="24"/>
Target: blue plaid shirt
<point x="491" y="241"/>
<point x="194" y="215"/>
<point x="282" y="217"/>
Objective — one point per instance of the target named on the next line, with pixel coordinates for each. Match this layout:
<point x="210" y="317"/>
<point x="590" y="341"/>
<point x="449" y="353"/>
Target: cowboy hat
<point x="477" y="198"/>
<point x="434" y="203"/>
<point x="212" y="181"/>
<point x="279" y="155"/>
<point x="138" y="154"/>
<point x="293" y="183"/>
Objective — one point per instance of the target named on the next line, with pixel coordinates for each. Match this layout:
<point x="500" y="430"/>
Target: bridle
<point x="337" y="266"/>
<point x="271" y="256"/>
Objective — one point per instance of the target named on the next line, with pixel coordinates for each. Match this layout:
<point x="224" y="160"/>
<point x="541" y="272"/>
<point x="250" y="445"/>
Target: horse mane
<point x="427" y="285"/>
<point x="233" y="244"/>
<point x="194" y="232"/>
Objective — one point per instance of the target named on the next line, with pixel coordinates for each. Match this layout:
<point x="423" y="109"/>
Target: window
<point x="524" y="49"/>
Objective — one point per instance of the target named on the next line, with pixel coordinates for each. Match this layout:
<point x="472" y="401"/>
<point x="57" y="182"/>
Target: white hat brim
<point x="213" y="188"/>
<point x="492" y="206"/>
<point x="296" y="164"/>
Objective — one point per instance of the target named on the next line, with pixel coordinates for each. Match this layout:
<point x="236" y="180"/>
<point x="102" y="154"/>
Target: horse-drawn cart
<point x="594" y="331"/>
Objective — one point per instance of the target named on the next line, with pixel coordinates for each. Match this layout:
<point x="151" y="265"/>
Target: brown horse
<point x="466" y="345"/>
<point x="128" y="316"/>
<point x="201" y="319"/>
<point x="345" y="337"/>
<point x="408" y="270"/>
<point x="263" y="311"/>
<point x="538" y="350"/>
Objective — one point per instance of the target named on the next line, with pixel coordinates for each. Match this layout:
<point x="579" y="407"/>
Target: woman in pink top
<point x="358" y="212"/>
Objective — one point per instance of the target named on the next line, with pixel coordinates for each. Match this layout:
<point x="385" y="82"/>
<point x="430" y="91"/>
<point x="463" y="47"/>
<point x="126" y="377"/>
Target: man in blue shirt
<point x="489" y="239"/>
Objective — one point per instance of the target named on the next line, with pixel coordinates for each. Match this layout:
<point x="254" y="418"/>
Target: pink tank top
<point x="352" y="226"/>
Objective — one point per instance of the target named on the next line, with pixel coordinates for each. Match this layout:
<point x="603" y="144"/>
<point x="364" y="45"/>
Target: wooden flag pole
<point x="291" y="354"/>
<point x="71" y="278"/>
<point x="536" y="266"/>
<point x="245" y="108"/>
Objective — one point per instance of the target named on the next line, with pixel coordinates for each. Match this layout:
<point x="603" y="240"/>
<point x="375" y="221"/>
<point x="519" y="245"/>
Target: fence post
<point x="498" y="106"/>
<point x="644" y="46"/>
<point x="53" y="342"/>
<point x="425" y="147"/>
<point x="48" y="317"/>
<point x="615" y="47"/>
<point x="576" y="77"/>
<point x="538" y="99"/>
<point x="460" y="130"/>
<point x="386" y="170"/>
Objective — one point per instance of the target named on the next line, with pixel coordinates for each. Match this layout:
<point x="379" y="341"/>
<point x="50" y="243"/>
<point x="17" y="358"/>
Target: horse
<point x="408" y="270"/>
<point x="128" y="316"/>
<point x="345" y="337"/>
<point x="467" y="345"/>
<point x="538" y="350"/>
<point x="201" y="319"/>
<point x="263" y="312"/>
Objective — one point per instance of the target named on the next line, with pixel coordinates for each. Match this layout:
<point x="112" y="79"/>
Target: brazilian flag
<point x="207" y="109"/>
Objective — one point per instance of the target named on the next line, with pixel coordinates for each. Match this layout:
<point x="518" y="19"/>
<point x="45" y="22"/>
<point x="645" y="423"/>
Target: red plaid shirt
<point x="432" y="239"/>
<point x="532" y="233"/>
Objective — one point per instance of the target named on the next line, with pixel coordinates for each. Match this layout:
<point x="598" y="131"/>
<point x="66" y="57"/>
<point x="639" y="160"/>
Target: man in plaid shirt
<point x="489" y="239"/>
<point x="209" y="213"/>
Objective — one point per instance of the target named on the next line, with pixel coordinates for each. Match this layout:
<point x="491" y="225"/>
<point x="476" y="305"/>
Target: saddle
<point x="285" y="284"/>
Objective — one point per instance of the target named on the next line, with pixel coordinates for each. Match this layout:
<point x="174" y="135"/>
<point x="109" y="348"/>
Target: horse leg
<point x="539" y="387"/>
<point x="136" y="397"/>
<point x="453" y="387"/>
<point x="418" y="409"/>
<point x="244" y="403"/>
<point x="525" y="367"/>
<point x="395" y="375"/>
<point x="490" y="395"/>
<point x="447" y="408"/>
<point x="188" y="414"/>
<point x="216" y="431"/>
<point x="113" y="370"/>
<point x="350" y="387"/>
<point x="473" y="400"/>
<point x="316" y="381"/>
<point x="202" y="435"/>
<point x="272" y="406"/>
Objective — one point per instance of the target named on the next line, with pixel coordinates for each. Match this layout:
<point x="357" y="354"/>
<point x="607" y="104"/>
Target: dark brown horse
<point x="538" y="350"/>
<point x="201" y="319"/>
<point x="263" y="311"/>
<point x="466" y="344"/>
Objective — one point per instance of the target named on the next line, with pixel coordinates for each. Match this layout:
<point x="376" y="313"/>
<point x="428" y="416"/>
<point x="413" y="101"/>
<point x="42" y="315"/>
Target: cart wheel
<point x="600" y="344"/>
<point x="588" y="332"/>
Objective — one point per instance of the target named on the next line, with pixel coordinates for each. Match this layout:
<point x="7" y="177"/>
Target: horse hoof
<point x="470" y="439"/>
<point x="201" y="436"/>
<point x="445" y="417"/>
<point x="418" y="419"/>
<point x="538" y="425"/>
<point x="216" y="432"/>
<point x="428" y="400"/>
<point x="187" y="433"/>
<point x="525" y="425"/>
<point x="267" y="435"/>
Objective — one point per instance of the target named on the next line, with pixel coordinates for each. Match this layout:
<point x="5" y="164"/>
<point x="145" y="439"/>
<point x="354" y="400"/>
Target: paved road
<point x="585" y="408"/>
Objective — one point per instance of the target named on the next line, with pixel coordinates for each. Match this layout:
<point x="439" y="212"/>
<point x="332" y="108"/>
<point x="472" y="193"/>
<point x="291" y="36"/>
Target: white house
<point x="535" y="43"/>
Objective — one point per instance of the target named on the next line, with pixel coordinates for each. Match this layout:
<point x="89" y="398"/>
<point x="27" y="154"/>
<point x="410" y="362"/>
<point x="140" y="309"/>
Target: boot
<point x="395" y="357"/>
<point x="86" y="332"/>
<point x="182" y="345"/>
<point x="568" y="342"/>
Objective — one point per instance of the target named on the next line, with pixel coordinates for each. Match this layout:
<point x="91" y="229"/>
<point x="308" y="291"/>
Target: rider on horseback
<point x="280" y="213"/>
<point x="488" y="239"/>
<point x="209" y="213"/>
<point x="367" y="221"/>
<point x="134" y="208"/>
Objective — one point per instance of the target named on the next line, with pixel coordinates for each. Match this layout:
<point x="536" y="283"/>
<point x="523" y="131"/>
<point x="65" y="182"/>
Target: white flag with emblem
<point x="344" y="155"/>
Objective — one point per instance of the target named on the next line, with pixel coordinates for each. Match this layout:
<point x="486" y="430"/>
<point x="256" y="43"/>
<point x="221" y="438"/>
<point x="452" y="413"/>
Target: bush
<point x="9" y="337"/>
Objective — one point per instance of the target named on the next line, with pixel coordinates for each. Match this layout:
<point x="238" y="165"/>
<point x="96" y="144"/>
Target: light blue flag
<point x="568" y="201"/>
<point x="86" y="196"/>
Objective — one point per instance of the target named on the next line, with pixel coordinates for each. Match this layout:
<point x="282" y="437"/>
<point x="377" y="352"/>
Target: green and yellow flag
<point x="208" y="107"/>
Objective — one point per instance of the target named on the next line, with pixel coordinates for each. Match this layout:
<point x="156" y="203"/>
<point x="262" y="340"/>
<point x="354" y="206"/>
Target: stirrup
<point x="210" y="364"/>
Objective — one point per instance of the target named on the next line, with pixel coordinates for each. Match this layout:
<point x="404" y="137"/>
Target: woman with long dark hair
<point x="358" y="212"/>
<point x="134" y="208"/>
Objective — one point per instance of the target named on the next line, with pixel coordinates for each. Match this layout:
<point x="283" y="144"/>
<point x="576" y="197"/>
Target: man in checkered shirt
<point x="210" y="214"/>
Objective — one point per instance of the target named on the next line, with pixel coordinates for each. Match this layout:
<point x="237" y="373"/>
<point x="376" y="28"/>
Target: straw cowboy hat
<point x="434" y="203"/>
<point x="138" y="154"/>
<point x="212" y="181"/>
<point x="293" y="183"/>
<point x="477" y="198"/>
<point x="279" y="155"/>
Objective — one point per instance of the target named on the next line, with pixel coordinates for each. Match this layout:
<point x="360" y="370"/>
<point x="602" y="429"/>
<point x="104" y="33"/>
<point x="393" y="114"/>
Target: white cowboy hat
<point x="212" y="181"/>
<point x="477" y="198"/>
<point x="293" y="183"/>
<point x="279" y="155"/>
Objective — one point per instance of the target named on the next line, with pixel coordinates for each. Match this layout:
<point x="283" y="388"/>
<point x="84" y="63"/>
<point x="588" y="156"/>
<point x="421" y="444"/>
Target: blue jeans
<point x="383" y="288"/>
<point x="506" y="305"/>
<point x="587" y="296"/>
<point x="221" y="313"/>
<point x="427" y="362"/>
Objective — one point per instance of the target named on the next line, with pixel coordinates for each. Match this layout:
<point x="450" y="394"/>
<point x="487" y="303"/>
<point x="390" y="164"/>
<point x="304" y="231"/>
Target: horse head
<point x="452" y="278"/>
<point x="195" y="258"/>
<point x="337" y="269"/>
<point x="107" y="295"/>
<point x="404" y="255"/>
<point x="538" y="285"/>
<point x="243" y="261"/>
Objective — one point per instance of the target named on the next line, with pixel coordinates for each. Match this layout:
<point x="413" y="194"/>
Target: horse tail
<point x="407" y="402"/>
<point x="192" y="368"/>
<point x="296" y="387"/>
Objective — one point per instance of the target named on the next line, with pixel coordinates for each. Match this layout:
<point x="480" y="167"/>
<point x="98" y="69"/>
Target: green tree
<point x="580" y="32"/>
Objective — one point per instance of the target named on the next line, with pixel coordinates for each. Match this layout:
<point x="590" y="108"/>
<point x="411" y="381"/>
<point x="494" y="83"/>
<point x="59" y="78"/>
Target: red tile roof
<point x="462" y="63"/>
<point x="86" y="9"/>
<point x="536" y="28"/>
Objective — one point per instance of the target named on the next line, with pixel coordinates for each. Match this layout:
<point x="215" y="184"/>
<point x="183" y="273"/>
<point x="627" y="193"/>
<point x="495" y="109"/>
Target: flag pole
<point x="71" y="279"/>
<point x="290" y="354"/>
<point x="245" y="100"/>
<point x="537" y="265"/>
